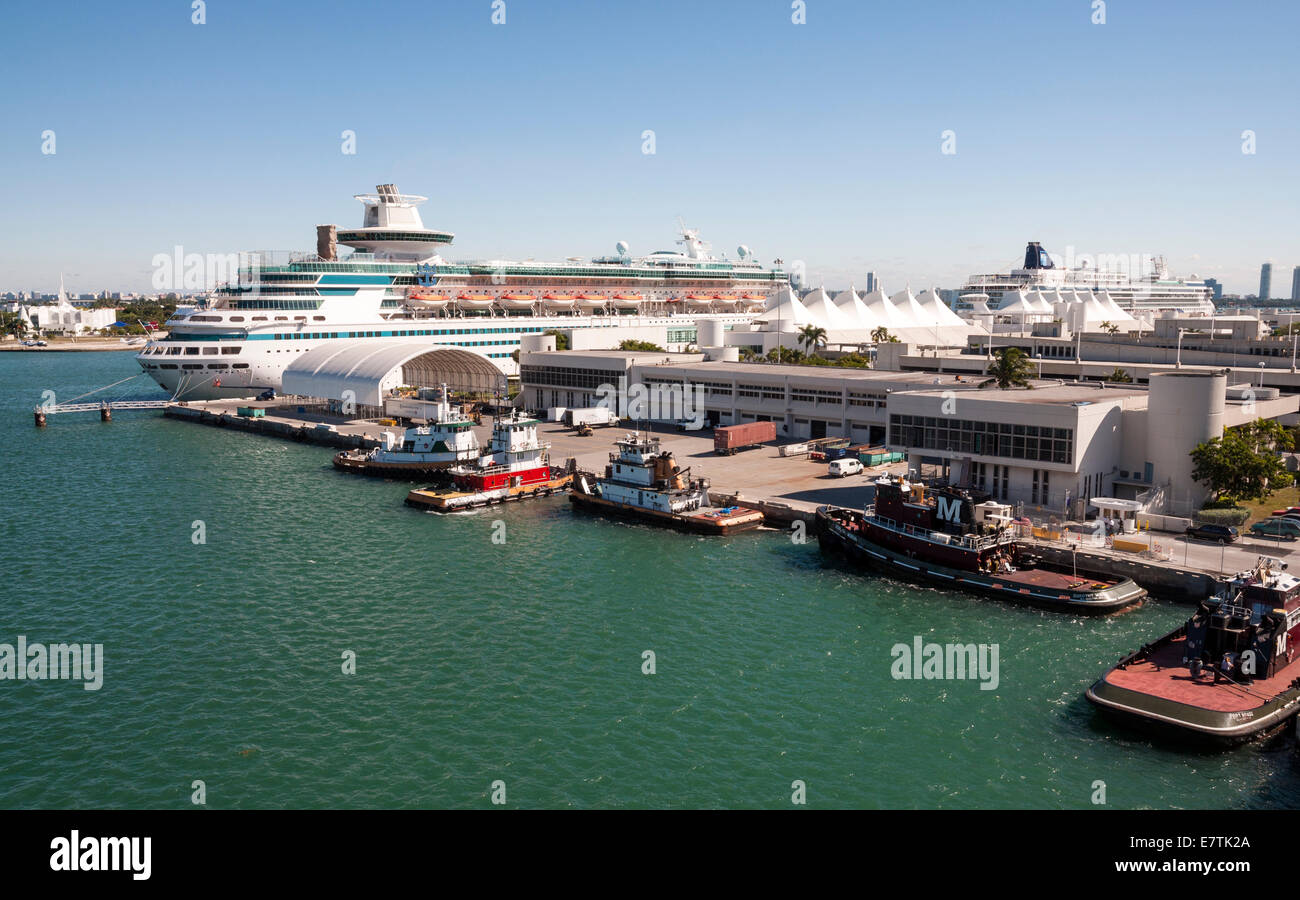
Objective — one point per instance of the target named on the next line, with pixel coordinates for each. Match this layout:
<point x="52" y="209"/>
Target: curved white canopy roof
<point x="369" y="372"/>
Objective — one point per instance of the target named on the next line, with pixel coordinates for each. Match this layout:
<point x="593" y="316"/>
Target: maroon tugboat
<point x="1229" y="674"/>
<point x="940" y="537"/>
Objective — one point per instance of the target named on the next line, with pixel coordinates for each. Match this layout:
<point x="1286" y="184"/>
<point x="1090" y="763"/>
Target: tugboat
<point x="943" y="538"/>
<point x="425" y="451"/>
<point x="1231" y="673"/>
<point x="645" y="482"/>
<point x="515" y="468"/>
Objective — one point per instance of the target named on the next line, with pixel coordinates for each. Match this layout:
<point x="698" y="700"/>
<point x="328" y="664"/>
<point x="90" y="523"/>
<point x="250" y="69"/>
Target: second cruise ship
<point x="1145" y="295"/>
<point x="395" y="287"/>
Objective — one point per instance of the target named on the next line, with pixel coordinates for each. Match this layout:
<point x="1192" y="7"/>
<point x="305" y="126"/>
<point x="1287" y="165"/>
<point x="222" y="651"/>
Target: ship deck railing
<point x="961" y="541"/>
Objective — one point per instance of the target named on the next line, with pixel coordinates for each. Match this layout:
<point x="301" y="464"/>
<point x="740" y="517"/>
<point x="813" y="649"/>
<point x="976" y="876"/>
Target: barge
<point x="644" y="482"/>
<point x="942" y="538"/>
<point x="1228" y="675"/>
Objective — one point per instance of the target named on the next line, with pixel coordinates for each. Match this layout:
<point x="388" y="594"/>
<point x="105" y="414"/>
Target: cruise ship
<point x="1145" y="296"/>
<point x="394" y="286"/>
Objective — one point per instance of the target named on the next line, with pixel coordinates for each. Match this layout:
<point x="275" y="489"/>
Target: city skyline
<point x="822" y="142"/>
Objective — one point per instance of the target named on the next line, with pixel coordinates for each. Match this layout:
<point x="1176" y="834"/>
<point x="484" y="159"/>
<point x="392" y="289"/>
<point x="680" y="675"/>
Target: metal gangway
<point x="105" y="408"/>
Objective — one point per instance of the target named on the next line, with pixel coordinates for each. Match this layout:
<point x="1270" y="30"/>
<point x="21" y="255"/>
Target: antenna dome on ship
<point x="622" y="248"/>
<point x="742" y="251"/>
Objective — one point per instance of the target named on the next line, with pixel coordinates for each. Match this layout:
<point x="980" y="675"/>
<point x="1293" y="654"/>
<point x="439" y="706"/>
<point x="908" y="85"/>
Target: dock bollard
<point x="106" y="414"/>
<point x="40" y="418"/>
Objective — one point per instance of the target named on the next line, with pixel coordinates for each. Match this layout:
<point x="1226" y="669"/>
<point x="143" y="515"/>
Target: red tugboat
<point x="1229" y="674"/>
<point x="942" y="538"/>
<point x="516" y="468"/>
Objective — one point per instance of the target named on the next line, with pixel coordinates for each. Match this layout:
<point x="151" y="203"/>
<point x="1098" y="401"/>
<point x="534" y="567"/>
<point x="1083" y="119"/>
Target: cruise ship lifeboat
<point x="592" y="301"/>
<point x="558" y="301"/>
<point x="628" y="301"/>
<point x="427" y="301"/>
<point x="518" y="301"/>
<point x="699" y="300"/>
<point x="475" y="301"/>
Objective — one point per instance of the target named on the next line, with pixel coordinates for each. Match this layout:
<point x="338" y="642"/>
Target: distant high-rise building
<point x="1266" y="282"/>
<point x="1295" y="284"/>
<point x="871" y="282"/>
<point x="1213" y="284"/>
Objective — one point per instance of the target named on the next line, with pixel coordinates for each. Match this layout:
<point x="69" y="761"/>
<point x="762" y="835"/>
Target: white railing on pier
<point x="112" y="404"/>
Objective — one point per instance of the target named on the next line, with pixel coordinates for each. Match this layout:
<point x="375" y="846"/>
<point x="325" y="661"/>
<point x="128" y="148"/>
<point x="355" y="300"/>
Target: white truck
<point x="592" y="415"/>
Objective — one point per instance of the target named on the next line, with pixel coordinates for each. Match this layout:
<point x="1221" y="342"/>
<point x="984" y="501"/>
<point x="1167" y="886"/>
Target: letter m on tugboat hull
<point x="948" y="509"/>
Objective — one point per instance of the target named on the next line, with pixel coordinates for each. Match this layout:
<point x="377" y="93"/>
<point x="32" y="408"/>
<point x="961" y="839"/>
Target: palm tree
<point x="1011" y="369"/>
<point x="880" y="334"/>
<point x="1119" y="376"/>
<point x="1109" y="328"/>
<point x="812" y="337"/>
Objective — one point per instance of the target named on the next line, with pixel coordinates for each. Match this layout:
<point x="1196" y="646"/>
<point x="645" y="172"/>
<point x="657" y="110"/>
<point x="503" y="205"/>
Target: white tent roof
<point x="941" y="311"/>
<point x="785" y="310"/>
<point x="1041" y="301"/>
<point x="825" y="313"/>
<point x="917" y="315"/>
<point x="1117" y="315"/>
<point x="1021" y="307"/>
<point x="851" y="305"/>
<point x="884" y="311"/>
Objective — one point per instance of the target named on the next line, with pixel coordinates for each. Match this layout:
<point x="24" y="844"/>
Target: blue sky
<point x="817" y="142"/>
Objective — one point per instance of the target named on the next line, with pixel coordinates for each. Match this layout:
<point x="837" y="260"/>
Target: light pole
<point x="1039" y="357"/>
<point x="1178" y="360"/>
<point x="1261" y="375"/>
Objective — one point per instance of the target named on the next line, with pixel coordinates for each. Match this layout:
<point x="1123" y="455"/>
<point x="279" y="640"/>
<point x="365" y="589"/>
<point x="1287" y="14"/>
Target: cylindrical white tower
<point x="708" y="333"/>
<point x="1183" y="410"/>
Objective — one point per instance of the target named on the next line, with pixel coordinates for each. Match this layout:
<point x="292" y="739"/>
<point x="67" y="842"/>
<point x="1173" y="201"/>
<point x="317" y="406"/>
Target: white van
<point x="850" y="465"/>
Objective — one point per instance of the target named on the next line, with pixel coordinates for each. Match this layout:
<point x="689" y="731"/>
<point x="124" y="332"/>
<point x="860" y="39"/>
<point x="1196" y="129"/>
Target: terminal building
<point x="1051" y="450"/>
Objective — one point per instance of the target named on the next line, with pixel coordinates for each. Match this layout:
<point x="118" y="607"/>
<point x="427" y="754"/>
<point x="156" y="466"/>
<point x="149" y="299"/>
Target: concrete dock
<point x="786" y="489"/>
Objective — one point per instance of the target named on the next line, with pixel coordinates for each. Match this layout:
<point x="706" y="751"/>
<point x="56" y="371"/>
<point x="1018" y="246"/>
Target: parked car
<point x="268" y="394"/>
<point x="849" y="465"/>
<point x="1279" y="527"/>
<point x="1290" y="510"/>
<point x="1222" y="534"/>
<point x="691" y="424"/>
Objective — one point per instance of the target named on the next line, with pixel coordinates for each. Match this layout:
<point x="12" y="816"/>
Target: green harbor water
<point x="519" y="661"/>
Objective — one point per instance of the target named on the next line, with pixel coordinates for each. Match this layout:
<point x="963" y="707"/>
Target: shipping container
<point x="879" y="456"/>
<point x="593" y="415"/>
<point x="731" y="438"/>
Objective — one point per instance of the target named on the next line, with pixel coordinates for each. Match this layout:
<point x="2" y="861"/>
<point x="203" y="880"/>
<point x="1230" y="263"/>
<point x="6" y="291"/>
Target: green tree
<point x="1244" y="463"/>
<point x="13" y="323"/>
<point x="880" y="334"/>
<point x="1119" y="376"/>
<point x="1010" y="369"/>
<point x="561" y="339"/>
<point x="640" y="346"/>
<point x="786" y="355"/>
<point x="812" y="337"/>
